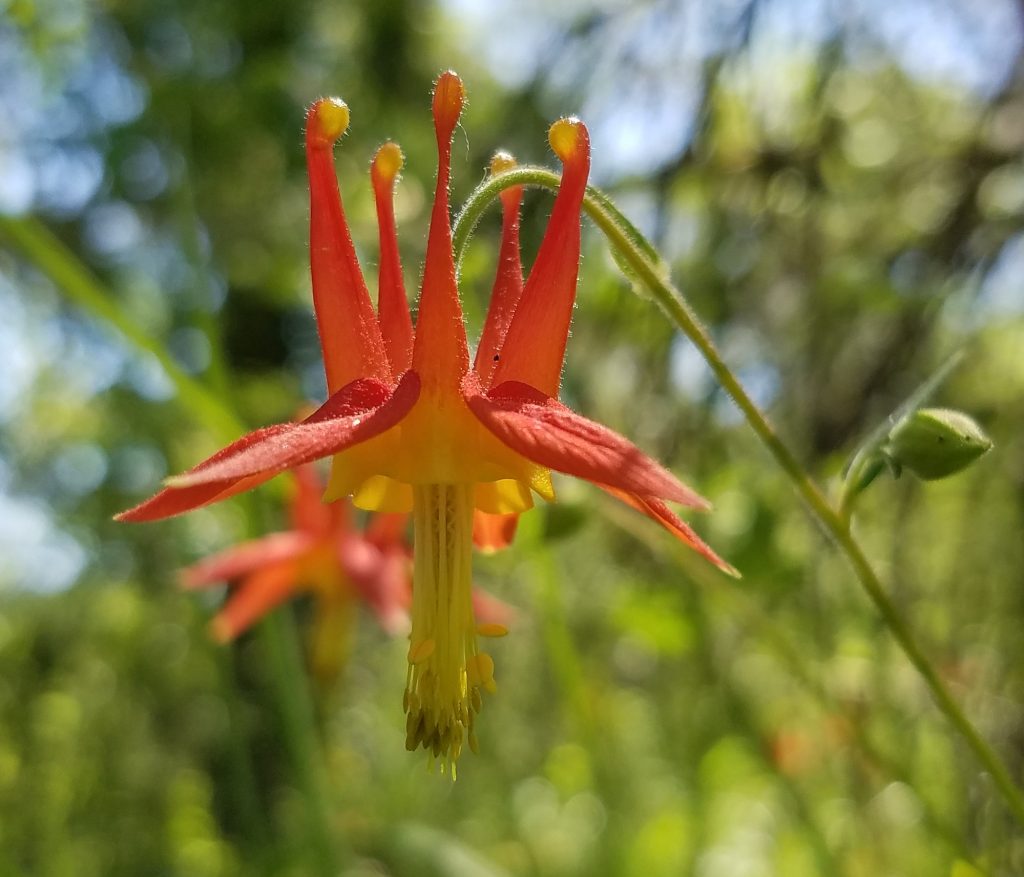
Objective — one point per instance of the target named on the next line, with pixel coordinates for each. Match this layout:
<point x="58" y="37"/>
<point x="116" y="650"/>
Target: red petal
<point x="534" y="346"/>
<point x="255" y="597"/>
<point x="307" y="510"/>
<point x="392" y="303"/>
<point x="387" y="530"/>
<point x="493" y="532"/>
<point x="658" y="511"/>
<point x="488" y="609"/>
<point x="356" y="413"/>
<point x="352" y="415"/>
<point x="246" y="557"/>
<point x="349" y="333"/>
<point x="440" y="353"/>
<point x="174" y="501"/>
<point x="508" y="280"/>
<point x="382" y="580"/>
<point x="545" y="431"/>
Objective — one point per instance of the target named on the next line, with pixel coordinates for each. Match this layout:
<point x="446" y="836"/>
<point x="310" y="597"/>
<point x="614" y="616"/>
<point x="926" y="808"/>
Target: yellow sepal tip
<point x="564" y="137"/>
<point x="331" y="117"/>
<point x="388" y="161"/>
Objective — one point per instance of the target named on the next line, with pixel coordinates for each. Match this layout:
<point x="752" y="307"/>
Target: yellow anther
<point x="502" y="161"/>
<point x="480" y="669"/>
<point x="564" y="137"/>
<point x="492" y="629"/>
<point x="388" y="161"/>
<point x="331" y="118"/>
<point x="419" y="652"/>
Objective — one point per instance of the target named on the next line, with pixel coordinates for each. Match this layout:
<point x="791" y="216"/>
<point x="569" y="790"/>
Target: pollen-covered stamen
<point x="392" y="304"/>
<point x="446" y="671"/>
<point x="534" y="346"/>
<point x="508" y="280"/>
<point x="349" y="334"/>
<point x="441" y="354"/>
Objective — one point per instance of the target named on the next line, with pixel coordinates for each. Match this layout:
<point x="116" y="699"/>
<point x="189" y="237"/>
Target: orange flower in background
<point x="322" y="555"/>
<point x="412" y="425"/>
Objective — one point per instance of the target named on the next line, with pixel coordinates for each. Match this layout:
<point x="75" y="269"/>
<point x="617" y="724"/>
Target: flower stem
<point x="642" y="261"/>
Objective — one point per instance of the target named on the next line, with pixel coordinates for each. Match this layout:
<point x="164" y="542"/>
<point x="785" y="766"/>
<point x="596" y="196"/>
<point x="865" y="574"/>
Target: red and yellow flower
<point x="413" y="424"/>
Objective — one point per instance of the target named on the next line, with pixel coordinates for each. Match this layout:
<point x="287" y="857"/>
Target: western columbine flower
<point x="411" y="424"/>
<point x="323" y="554"/>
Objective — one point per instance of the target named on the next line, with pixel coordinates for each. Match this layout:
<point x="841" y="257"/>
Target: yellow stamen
<point x="492" y="629"/>
<point x="446" y="671"/>
<point x="421" y="651"/>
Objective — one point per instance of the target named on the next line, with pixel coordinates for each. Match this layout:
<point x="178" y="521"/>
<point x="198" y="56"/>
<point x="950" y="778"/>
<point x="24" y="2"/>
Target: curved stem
<point x="636" y="252"/>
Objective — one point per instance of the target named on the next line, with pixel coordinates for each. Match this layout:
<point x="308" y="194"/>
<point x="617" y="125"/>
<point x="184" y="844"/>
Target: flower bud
<point x="936" y="442"/>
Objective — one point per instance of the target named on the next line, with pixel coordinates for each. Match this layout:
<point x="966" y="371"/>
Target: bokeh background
<point x="839" y="189"/>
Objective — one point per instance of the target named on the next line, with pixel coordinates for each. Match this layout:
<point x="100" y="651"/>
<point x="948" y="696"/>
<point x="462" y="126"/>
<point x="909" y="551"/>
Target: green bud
<point x="936" y="442"/>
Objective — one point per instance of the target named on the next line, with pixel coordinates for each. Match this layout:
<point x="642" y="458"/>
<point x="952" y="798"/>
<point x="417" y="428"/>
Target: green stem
<point x="633" y="249"/>
<point x="280" y="642"/>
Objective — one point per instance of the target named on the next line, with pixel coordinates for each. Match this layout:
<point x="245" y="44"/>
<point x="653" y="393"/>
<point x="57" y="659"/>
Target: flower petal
<point x="174" y="501"/>
<point x="440" y="352"/>
<point x="255" y="597"/>
<point x="534" y="346"/>
<point x="392" y="303"/>
<point x="488" y="609"/>
<point x="349" y="332"/>
<point x="387" y="531"/>
<point x="354" y="414"/>
<point x="658" y="511"/>
<point x="382" y="580"/>
<point x="307" y="511"/>
<point x="545" y="431"/>
<point x="508" y="279"/>
<point x="493" y="532"/>
<point x="246" y="557"/>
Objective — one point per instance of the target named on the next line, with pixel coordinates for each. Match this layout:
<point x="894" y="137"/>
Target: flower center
<point x="446" y="671"/>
